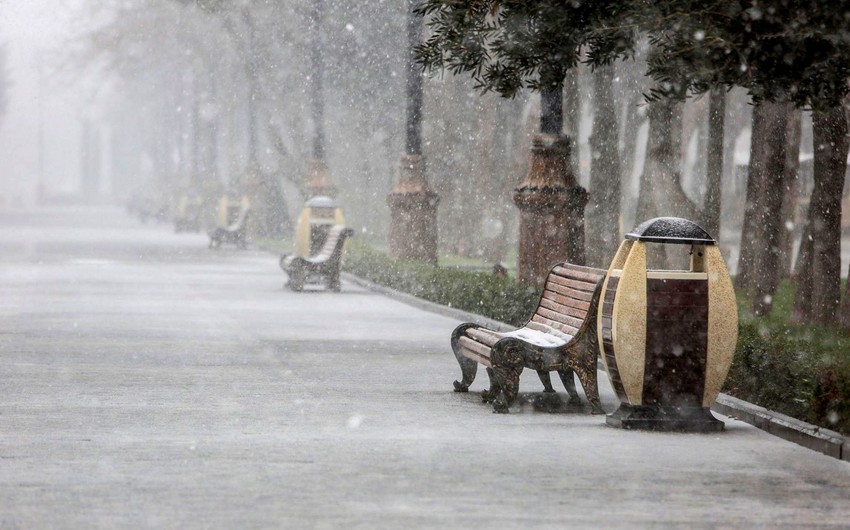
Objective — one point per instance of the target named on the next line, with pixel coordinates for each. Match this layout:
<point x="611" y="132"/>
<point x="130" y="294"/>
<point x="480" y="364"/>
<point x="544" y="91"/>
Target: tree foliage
<point x="507" y="45"/>
<point x="778" y="50"/>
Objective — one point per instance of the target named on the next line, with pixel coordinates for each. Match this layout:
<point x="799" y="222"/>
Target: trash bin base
<point x="664" y="418"/>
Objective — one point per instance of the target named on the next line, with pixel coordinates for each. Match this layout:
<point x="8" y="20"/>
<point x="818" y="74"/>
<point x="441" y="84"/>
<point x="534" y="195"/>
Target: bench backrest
<point x="242" y="217"/>
<point x="568" y="297"/>
<point x="331" y="250"/>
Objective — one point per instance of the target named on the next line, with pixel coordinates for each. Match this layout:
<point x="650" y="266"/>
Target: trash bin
<point x="667" y="337"/>
<point x="320" y="213"/>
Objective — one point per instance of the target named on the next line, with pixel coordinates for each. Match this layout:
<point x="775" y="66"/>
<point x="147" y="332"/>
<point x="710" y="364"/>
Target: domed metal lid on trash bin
<point x="671" y="230"/>
<point x="321" y="201"/>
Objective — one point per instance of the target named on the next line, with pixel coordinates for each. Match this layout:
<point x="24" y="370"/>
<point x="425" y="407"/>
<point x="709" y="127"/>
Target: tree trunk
<point x="660" y="191"/>
<point x="790" y="193"/>
<point x="830" y="164"/>
<point x="603" y="208"/>
<point x="714" y="162"/>
<point x="571" y="120"/>
<point x="552" y="112"/>
<point x="764" y="186"/>
<point x="629" y="89"/>
<point x="767" y="167"/>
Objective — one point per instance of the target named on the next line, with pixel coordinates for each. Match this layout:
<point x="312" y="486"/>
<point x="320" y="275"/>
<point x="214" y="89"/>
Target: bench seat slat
<point x="565" y="328"/>
<point x="563" y="309"/>
<point x="578" y="285"/>
<point x="573" y="274"/>
<point x="469" y="354"/>
<point x="577" y="305"/>
<point x="581" y="268"/>
<point x="486" y="337"/>
<point x="537" y="326"/>
<point x="474" y="350"/>
<point x="475" y="346"/>
<point x="566" y="291"/>
<point x="566" y="300"/>
<point x="559" y="317"/>
<point x="480" y="359"/>
<point x="549" y="338"/>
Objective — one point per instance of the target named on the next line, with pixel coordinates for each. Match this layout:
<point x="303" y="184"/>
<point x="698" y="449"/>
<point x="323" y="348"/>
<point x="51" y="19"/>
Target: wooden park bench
<point x="560" y="336"/>
<point x="322" y="266"/>
<point x="235" y="232"/>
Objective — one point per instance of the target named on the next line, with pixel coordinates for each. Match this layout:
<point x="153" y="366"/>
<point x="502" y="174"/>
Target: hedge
<point x="769" y="369"/>
<point x="496" y="297"/>
<point x="790" y="376"/>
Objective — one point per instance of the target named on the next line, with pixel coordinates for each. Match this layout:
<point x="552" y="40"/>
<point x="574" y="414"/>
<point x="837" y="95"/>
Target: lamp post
<point x="550" y="201"/>
<point x="318" y="182"/>
<point x="413" y="204"/>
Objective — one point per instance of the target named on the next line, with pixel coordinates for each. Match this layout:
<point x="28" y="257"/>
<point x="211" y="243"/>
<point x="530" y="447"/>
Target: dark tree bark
<point x="764" y="196"/>
<point x="789" y="199"/>
<point x="270" y="217"/>
<point x="551" y="112"/>
<point x="714" y="162"/>
<point x="830" y="164"/>
<point x="571" y="119"/>
<point x="603" y="209"/>
<point x="767" y="167"/>
<point x="661" y="192"/>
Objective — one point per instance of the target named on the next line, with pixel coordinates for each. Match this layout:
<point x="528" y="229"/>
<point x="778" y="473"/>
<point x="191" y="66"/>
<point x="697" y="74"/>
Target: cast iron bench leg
<point x="468" y="367"/>
<point x="507" y="362"/>
<point x="566" y="375"/>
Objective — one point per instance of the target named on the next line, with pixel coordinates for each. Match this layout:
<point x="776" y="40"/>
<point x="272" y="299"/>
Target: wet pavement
<point x="147" y="381"/>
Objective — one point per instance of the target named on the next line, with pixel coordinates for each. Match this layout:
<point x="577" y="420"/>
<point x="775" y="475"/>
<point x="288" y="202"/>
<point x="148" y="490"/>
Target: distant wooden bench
<point x="324" y="265"/>
<point x="234" y="233"/>
<point x="187" y="217"/>
<point x="560" y="336"/>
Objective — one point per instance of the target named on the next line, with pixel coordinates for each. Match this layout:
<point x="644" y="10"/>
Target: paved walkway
<point x="149" y="382"/>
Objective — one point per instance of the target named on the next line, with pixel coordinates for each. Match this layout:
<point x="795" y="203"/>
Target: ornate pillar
<point x="318" y="182"/>
<point x="551" y="206"/>
<point x="413" y="204"/>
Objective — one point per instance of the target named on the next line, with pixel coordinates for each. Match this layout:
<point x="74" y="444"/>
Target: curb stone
<point x="810" y="436"/>
<point x="799" y="432"/>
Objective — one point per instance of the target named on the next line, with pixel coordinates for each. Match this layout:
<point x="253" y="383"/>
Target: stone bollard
<point x="667" y="337"/>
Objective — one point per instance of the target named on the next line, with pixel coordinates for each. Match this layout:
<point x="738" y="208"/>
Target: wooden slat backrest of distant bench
<point x="325" y="263"/>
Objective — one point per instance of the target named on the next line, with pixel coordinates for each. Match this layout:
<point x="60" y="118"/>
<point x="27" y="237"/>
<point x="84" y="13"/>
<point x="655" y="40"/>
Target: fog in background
<point x="38" y="108"/>
<point x="112" y="100"/>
